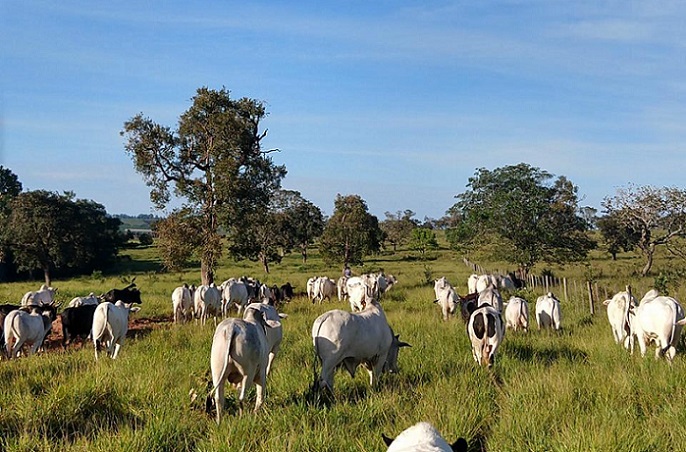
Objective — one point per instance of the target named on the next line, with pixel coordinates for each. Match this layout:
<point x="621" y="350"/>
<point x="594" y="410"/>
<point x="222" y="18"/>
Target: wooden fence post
<point x="564" y="284"/>
<point x="590" y="297"/>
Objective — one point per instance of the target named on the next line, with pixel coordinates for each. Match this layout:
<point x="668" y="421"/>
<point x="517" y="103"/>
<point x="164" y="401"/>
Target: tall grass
<point x="566" y="391"/>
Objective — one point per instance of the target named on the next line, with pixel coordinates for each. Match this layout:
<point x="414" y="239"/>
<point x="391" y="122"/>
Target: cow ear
<point x="387" y="440"/>
<point x="460" y="445"/>
<point x="135" y="309"/>
<point x="272" y="323"/>
<point x="283" y="316"/>
<point x="606" y="302"/>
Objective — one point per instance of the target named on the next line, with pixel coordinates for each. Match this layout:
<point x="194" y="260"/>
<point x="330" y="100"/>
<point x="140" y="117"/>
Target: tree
<point x="423" y="240"/>
<point x="351" y="233"/>
<point x="398" y="227"/>
<point x="49" y="231"/>
<point x="10" y="187"/>
<point x="264" y="241"/>
<point x="214" y="161"/>
<point x="177" y="238"/>
<point x="656" y="215"/>
<point x="616" y="235"/>
<point x="145" y="239"/>
<point x="304" y="220"/>
<point x="525" y="217"/>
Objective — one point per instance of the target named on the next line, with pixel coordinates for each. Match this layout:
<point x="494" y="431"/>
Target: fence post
<point x="590" y="297"/>
<point x="564" y="284"/>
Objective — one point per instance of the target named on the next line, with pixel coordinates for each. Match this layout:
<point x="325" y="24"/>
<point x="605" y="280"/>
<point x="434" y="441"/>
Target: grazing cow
<point x="277" y="296"/>
<point x="471" y="283"/>
<point x="287" y="292"/>
<point x="423" y="437"/>
<point x="129" y="294"/>
<point x="324" y="288"/>
<point x="618" y="315"/>
<point x="517" y="314"/>
<point x="274" y="334"/>
<point x="240" y="354"/>
<point x="351" y="339"/>
<point x="506" y="282"/>
<point x="384" y="283"/>
<point x="4" y="310"/>
<point x="182" y="303"/>
<point x="27" y="328"/>
<point x="548" y="312"/>
<point x="341" y="288"/>
<point x="468" y="304"/>
<point x="486" y="331"/>
<point x="446" y="297"/>
<point x="44" y="295"/>
<point x="491" y="296"/>
<point x="359" y="288"/>
<point x="110" y="324"/>
<point x="236" y="292"/>
<point x="657" y="319"/>
<point x="77" y="322"/>
<point x="208" y="301"/>
<point x="82" y="301"/>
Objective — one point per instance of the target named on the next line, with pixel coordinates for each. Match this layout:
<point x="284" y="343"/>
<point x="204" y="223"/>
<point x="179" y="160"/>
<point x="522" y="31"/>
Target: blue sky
<point x="396" y="101"/>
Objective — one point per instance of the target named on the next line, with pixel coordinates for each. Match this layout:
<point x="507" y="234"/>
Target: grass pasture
<point x="575" y="390"/>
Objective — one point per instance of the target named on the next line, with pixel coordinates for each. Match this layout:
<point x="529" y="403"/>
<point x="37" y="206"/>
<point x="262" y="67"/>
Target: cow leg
<point x="219" y="399"/>
<point x="259" y="389"/>
<point x="269" y="363"/>
<point x="245" y="385"/>
<point x="117" y="347"/>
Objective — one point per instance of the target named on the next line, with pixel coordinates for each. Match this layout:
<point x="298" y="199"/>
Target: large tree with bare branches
<point x="657" y="217"/>
<point x="213" y="160"/>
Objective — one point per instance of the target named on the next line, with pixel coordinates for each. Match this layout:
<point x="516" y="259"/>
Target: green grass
<point x="567" y="391"/>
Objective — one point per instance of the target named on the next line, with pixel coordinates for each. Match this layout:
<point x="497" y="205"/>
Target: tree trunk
<point x="304" y="254"/>
<point x="649" y="263"/>
<point x="265" y="264"/>
<point x="46" y="275"/>
<point x="206" y="274"/>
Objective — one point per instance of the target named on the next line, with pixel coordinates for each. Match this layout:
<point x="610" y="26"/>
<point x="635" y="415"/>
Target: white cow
<point x="182" y="303"/>
<point x="360" y="288"/>
<point x="491" y="296"/>
<point x="618" y="315"/>
<point x="236" y="292"/>
<point x="310" y="288"/>
<point x="91" y="299"/>
<point x="341" y="288"/>
<point x="207" y="300"/>
<point x="351" y="339"/>
<point x="471" y="283"/>
<point x="324" y="288"/>
<point x="44" y="295"/>
<point x="486" y="331"/>
<point x="27" y="328"/>
<point x="240" y="355"/>
<point x="517" y="314"/>
<point x="657" y="319"/>
<point x="423" y="437"/>
<point x="110" y="324"/>
<point x="484" y="281"/>
<point x="548" y="313"/>
<point x="275" y="333"/>
<point x="446" y="297"/>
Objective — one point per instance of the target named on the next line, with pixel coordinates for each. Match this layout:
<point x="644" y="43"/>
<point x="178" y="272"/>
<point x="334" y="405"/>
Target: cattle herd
<point x="243" y="348"/>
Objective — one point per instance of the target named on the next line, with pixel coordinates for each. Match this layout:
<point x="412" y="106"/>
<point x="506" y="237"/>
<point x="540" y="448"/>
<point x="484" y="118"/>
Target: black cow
<point x="286" y="292"/>
<point x="128" y="294"/>
<point x="77" y="322"/>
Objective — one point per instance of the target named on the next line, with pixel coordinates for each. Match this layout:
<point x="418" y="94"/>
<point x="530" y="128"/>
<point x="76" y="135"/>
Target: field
<point x="568" y="391"/>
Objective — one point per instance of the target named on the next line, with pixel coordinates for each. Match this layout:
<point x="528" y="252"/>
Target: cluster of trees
<point x="232" y="201"/>
<point x="53" y="233"/>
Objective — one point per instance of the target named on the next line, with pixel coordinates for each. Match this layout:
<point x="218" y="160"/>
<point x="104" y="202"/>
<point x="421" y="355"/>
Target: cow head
<point x="391" y="365"/>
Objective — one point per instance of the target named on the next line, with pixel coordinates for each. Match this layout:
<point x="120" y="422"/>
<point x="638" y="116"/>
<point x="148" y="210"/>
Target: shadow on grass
<point x="546" y="355"/>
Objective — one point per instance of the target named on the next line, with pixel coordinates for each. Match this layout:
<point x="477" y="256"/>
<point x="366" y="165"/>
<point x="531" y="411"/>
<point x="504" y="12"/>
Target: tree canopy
<point x="49" y="231"/>
<point x="213" y="161"/>
<point x="397" y="228"/>
<point x="656" y="216"/>
<point x="351" y="233"/>
<point x="526" y="215"/>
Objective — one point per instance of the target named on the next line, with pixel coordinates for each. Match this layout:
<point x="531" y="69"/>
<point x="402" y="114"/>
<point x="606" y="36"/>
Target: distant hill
<point x="137" y="223"/>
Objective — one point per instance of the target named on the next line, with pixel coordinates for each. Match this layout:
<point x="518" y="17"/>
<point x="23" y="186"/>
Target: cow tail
<point x="98" y="335"/>
<point x="671" y="336"/>
<point x="316" y="357"/>
<point x="227" y="358"/>
<point x="13" y="330"/>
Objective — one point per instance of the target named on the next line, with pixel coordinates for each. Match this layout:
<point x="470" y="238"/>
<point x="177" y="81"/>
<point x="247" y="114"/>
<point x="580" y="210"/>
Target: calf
<point x="240" y="355"/>
<point x="548" y="312"/>
<point x="657" y="319"/>
<point x="425" y="438"/>
<point x="110" y="324"/>
<point x="517" y="314"/>
<point x="182" y="303"/>
<point x="27" y="328"/>
<point x="287" y="292"/>
<point x="77" y="322"/>
<point x="351" y="339"/>
<point x="324" y="288"/>
<point x="618" y="315"/>
<point x="486" y="331"/>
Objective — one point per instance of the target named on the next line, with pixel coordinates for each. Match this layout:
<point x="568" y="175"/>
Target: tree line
<point x="232" y="202"/>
